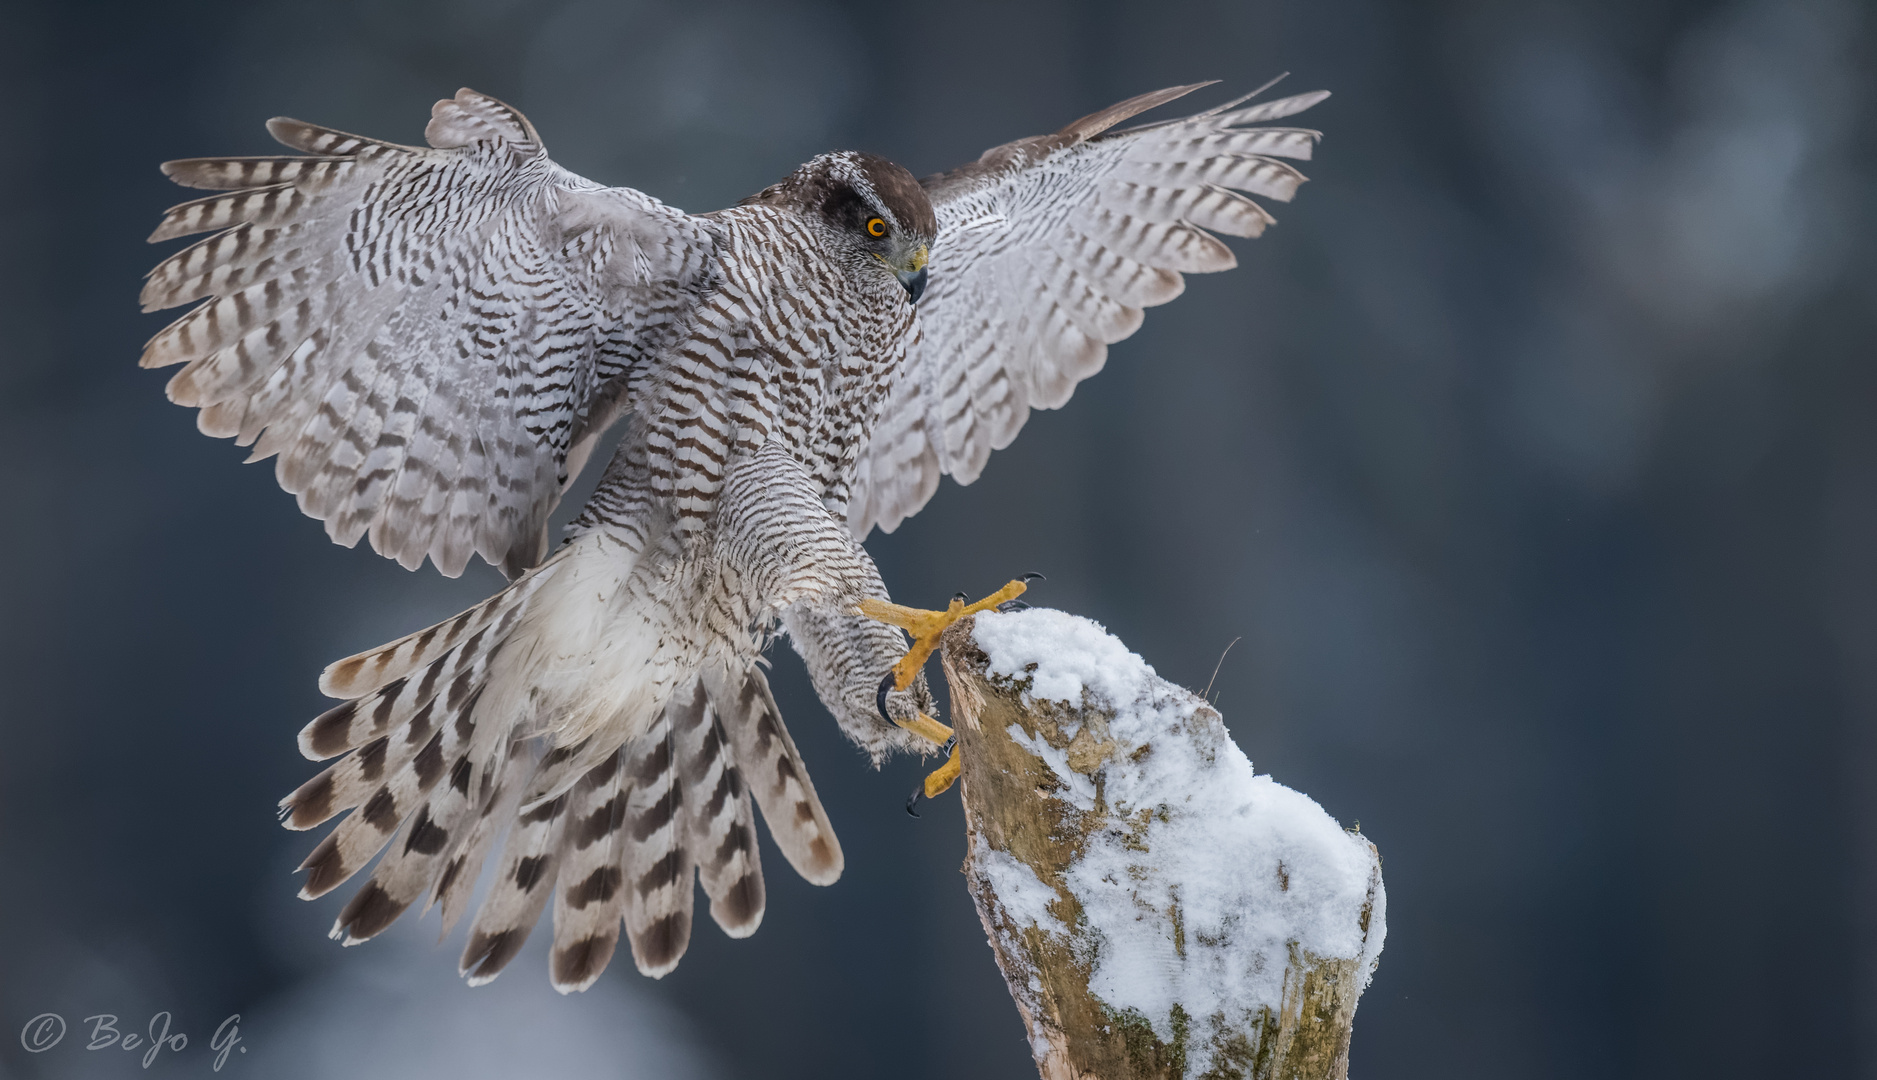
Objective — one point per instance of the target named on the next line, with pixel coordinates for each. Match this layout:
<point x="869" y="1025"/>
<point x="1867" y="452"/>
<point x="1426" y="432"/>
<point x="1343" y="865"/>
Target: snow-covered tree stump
<point x="1157" y="910"/>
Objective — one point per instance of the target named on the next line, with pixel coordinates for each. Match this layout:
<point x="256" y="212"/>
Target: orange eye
<point x="876" y="227"/>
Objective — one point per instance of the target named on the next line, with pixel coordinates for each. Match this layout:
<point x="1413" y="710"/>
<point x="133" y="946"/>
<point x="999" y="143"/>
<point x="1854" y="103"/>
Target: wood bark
<point x="1013" y="805"/>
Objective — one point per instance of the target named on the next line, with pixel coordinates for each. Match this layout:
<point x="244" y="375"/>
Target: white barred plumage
<point x="431" y="339"/>
<point x="1049" y="248"/>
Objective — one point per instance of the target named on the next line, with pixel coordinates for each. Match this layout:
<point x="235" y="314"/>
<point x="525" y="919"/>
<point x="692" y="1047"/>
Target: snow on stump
<point x="1157" y="910"/>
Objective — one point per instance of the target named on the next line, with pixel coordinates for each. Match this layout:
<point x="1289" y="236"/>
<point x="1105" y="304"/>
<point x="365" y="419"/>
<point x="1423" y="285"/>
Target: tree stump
<point x="1156" y="909"/>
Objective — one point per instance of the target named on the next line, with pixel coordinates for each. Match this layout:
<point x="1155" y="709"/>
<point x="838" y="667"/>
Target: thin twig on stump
<point x="1156" y="909"/>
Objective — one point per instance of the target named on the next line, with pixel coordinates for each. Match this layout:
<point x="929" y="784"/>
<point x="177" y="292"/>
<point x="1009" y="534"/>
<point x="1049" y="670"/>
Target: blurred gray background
<point x="1533" y="455"/>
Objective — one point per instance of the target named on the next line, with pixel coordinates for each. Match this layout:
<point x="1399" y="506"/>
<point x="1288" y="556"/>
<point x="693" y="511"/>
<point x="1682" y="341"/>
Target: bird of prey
<point x="430" y="340"/>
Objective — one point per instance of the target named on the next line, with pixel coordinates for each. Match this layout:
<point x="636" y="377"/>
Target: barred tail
<point x="611" y="832"/>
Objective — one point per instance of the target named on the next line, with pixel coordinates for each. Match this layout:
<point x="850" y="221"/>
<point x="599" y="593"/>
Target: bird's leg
<point x="926" y="627"/>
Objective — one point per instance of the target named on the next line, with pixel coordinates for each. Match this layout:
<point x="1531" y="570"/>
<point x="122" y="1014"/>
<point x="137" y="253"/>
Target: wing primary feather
<point x="1216" y="110"/>
<point x="1097" y="122"/>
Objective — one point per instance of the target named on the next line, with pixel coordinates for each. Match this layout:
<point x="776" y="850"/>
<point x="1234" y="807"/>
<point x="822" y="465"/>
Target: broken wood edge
<point x="1012" y="805"/>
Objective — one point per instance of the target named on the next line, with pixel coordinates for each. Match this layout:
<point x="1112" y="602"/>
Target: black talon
<point x="1013" y="605"/>
<point x="1034" y="576"/>
<point x="950" y="745"/>
<point x="961" y="597"/>
<point x="879" y="699"/>
<point x="913" y="798"/>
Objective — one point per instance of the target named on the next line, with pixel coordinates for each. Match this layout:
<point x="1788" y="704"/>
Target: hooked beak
<point x="913" y="283"/>
<point x="911" y="273"/>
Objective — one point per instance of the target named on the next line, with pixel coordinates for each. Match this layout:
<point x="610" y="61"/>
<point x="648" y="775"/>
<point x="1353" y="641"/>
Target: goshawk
<point x="429" y="341"/>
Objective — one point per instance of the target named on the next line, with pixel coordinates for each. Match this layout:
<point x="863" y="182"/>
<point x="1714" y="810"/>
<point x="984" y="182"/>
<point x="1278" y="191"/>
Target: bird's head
<point x="875" y="212"/>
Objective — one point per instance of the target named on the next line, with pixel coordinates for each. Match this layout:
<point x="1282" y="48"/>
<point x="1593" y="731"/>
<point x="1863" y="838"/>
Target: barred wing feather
<point x="426" y="338"/>
<point x="1048" y="250"/>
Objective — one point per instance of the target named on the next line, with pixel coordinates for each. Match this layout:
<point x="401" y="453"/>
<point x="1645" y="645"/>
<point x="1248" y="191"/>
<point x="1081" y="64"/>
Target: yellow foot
<point x="943" y="777"/>
<point x="940" y="779"/>
<point x="926" y="626"/>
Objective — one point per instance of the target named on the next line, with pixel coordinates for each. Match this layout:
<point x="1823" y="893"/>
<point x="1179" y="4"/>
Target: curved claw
<point x="1033" y="576"/>
<point x="1012" y="605"/>
<point x="921" y="724"/>
<point x="879" y="699"/>
<point x="941" y="779"/>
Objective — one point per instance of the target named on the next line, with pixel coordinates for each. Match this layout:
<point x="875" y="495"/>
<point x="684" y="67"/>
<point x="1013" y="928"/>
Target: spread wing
<point x="1048" y="249"/>
<point x="427" y="337"/>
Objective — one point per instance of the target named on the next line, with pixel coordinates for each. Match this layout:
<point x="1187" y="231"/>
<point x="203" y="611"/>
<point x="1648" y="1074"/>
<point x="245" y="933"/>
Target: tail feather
<point x="446" y="694"/>
<point x="658" y="863"/>
<point x="357" y="676"/>
<point x="768" y="759"/>
<point x="648" y="790"/>
<point x="562" y="767"/>
<point x="366" y="829"/>
<point x="523" y="880"/>
<point x="413" y="861"/>
<point x="500" y="796"/>
<point x="720" y="823"/>
<point x="589" y="895"/>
